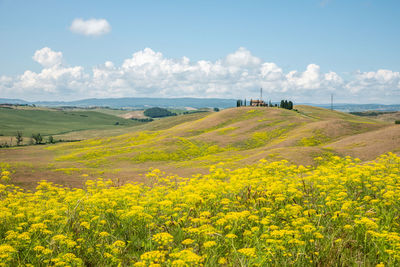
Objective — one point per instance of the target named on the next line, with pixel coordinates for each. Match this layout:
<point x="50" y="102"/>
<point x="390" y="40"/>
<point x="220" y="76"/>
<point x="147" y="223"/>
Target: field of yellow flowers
<point x="341" y="212"/>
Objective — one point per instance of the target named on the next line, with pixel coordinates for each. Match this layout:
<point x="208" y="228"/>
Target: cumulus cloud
<point x="237" y="75"/>
<point x="47" y="57"/>
<point x="379" y="81"/>
<point x="90" y="27"/>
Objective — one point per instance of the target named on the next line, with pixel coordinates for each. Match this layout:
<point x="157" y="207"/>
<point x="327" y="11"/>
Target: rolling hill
<point x="190" y="144"/>
<point x="52" y="122"/>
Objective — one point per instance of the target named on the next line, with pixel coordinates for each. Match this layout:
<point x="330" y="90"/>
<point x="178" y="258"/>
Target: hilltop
<point x="190" y="144"/>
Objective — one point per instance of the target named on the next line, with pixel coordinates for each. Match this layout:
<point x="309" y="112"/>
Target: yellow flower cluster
<point x="341" y="212"/>
<point x="163" y="239"/>
<point x="4" y="173"/>
<point x="248" y="252"/>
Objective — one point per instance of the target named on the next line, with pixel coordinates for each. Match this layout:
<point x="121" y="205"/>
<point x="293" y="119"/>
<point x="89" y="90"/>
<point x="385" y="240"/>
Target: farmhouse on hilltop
<point x="257" y="103"/>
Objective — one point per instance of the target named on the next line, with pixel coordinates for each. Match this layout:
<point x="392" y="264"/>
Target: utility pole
<point x="331" y="101"/>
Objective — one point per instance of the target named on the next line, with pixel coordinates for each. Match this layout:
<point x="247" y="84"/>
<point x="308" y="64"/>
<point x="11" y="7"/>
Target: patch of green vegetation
<point x="241" y="117"/>
<point x="52" y="122"/>
<point x="108" y="111"/>
<point x="94" y="152"/>
<point x="317" y="139"/>
<point x="259" y="139"/>
<point x="372" y="113"/>
<point x="183" y="149"/>
<point x="226" y="130"/>
<point x="269" y="124"/>
<point x="351" y="146"/>
<point x="158" y="112"/>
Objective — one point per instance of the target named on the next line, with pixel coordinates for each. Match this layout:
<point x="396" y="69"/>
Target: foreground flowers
<point x="339" y="213"/>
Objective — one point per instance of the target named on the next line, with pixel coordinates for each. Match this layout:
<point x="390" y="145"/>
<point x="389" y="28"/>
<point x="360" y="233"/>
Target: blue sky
<point x="353" y="39"/>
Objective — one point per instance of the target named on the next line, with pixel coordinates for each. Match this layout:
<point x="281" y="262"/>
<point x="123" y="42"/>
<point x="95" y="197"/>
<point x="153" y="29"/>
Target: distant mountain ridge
<point x="144" y="102"/>
<point x="132" y="102"/>
<point x="13" y="101"/>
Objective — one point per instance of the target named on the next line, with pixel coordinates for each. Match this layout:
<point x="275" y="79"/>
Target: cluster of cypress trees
<point x="286" y="104"/>
<point x="240" y="103"/>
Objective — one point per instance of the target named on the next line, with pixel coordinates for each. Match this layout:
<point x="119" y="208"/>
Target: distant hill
<point x="141" y="103"/>
<point x="359" y="107"/>
<point x="133" y="102"/>
<point x="13" y="101"/>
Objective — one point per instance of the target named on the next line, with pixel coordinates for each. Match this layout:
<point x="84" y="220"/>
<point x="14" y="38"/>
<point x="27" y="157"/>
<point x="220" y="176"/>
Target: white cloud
<point x="242" y="57"/>
<point x="239" y="74"/>
<point x="380" y="81"/>
<point x="90" y="27"/>
<point x="47" y="57"/>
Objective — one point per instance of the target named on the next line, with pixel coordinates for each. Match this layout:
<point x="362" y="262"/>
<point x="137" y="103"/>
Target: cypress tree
<point x="290" y="105"/>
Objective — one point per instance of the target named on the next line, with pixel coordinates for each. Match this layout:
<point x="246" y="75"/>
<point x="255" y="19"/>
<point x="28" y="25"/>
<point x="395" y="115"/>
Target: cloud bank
<point x="148" y="73"/>
<point x="90" y="27"/>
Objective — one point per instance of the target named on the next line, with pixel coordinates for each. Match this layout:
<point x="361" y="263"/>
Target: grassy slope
<point x="190" y="144"/>
<point x="52" y="122"/>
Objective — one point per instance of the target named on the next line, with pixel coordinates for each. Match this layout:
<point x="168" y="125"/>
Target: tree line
<point x="158" y="112"/>
<point x="284" y="104"/>
<point x="36" y="139"/>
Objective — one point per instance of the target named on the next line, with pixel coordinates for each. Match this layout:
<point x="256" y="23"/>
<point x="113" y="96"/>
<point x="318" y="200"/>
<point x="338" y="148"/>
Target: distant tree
<point x="19" y="138"/>
<point x="286" y="104"/>
<point x="37" y="138"/>
<point x="290" y="105"/>
<point x="51" y="140"/>
<point x="158" y="112"/>
<point x="149" y="119"/>
<point x="245" y="102"/>
<point x="397" y="122"/>
<point x="216" y="109"/>
<point x="282" y="104"/>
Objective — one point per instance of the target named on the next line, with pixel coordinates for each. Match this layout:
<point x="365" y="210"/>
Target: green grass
<point x="109" y="111"/>
<point x="316" y="139"/>
<point x="52" y="122"/>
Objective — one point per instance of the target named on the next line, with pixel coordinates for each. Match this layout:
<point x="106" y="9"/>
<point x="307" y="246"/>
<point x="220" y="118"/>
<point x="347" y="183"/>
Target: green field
<point x="53" y="122"/>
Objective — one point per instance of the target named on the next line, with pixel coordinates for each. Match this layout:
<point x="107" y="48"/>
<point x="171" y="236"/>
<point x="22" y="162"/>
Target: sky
<point x="300" y="50"/>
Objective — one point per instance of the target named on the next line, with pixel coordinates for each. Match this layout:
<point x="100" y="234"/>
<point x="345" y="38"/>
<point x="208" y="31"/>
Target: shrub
<point x="19" y="138"/>
<point x="37" y="138"/>
<point x="142" y="120"/>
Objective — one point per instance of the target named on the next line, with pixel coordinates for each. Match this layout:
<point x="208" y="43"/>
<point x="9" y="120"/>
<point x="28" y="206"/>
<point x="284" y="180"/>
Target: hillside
<point x="190" y="144"/>
<point x="51" y="121"/>
<point x="389" y="116"/>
